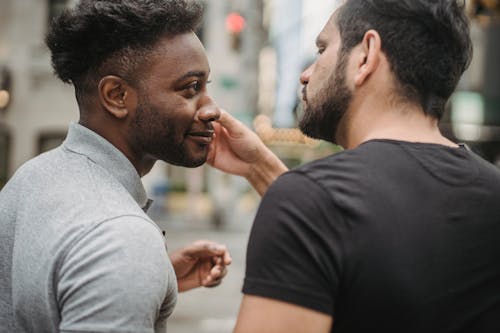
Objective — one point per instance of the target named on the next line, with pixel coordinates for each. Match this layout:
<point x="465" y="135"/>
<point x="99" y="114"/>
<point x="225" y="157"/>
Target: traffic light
<point x="235" y="24"/>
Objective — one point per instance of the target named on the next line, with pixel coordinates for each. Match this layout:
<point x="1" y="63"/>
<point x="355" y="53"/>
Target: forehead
<point x="329" y="33"/>
<point x="174" y="56"/>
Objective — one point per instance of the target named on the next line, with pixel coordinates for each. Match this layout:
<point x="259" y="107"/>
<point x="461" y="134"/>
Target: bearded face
<point x="165" y="136"/>
<point x="167" y="124"/>
<point x="324" y="111"/>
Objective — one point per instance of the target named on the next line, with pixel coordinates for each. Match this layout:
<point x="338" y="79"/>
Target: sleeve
<point x="294" y="253"/>
<point x="114" y="279"/>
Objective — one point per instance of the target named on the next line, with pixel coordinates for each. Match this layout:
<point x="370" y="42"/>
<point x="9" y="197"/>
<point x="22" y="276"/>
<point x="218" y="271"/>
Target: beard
<point x="155" y="135"/>
<point x="322" y="116"/>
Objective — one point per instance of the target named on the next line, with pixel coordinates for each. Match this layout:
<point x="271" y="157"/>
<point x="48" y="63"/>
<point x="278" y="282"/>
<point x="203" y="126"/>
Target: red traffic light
<point x="235" y="23"/>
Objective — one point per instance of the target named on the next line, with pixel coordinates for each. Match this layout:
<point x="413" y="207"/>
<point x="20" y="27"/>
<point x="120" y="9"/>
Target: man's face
<point x="168" y="124"/>
<point x="326" y="94"/>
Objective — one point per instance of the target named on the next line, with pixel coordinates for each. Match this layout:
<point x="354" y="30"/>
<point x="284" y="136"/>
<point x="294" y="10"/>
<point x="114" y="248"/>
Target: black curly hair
<point x="427" y="43"/>
<point x="102" y="37"/>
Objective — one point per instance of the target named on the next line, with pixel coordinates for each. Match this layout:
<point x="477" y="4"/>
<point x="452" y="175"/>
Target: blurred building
<point x="473" y="114"/>
<point x="40" y="107"/>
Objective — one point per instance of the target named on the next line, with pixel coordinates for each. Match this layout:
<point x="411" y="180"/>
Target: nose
<point x="306" y="75"/>
<point x="208" y="110"/>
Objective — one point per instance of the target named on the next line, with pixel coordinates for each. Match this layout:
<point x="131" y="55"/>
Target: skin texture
<point x="164" y="114"/>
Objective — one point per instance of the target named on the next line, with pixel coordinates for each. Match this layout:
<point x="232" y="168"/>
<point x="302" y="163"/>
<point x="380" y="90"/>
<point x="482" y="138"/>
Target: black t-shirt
<point x="389" y="237"/>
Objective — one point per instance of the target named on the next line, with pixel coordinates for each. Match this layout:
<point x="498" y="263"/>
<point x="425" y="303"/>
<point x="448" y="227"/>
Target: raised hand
<point x="239" y="151"/>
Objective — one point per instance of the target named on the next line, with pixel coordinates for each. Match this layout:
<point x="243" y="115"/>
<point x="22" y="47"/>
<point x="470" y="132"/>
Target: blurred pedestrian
<point x="399" y="232"/>
<point x="79" y="253"/>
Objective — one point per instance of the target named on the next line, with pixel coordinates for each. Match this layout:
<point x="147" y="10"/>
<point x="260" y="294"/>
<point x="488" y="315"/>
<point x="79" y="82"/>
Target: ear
<point x="116" y="96"/>
<point x="369" y="56"/>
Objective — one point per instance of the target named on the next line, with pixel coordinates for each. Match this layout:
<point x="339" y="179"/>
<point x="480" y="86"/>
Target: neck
<point x="113" y="133"/>
<point x="379" y="118"/>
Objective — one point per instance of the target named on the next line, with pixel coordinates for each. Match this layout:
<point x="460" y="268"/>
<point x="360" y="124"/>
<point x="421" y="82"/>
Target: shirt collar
<point x="84" y="141"/>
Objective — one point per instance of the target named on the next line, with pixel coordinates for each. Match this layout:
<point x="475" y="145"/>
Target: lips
<point x="202" y="137"/>
<point x="304" y="94"/>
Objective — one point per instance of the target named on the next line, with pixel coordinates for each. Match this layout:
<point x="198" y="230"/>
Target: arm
<point x="293" y="260"/>
<point x="265" y="315"/>
<point x="239" y="151"/>
<point x="116" y="277"/>
<point x="202" y="263"/>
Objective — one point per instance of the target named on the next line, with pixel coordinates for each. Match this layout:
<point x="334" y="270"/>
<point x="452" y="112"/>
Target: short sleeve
<point x="294" y="252"/>
<point x="115" y="278"/>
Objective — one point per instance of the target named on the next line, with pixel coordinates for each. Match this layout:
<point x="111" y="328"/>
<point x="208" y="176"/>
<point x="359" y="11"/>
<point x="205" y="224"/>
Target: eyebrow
<point x="199" y="74"/>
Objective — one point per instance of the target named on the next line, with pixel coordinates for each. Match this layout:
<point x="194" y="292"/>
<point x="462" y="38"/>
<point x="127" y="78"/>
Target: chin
<point x="193" y="161"/>
<point x="188" y="158"/>
<point x="188" y="163"/>
<point x="196" y="163"/>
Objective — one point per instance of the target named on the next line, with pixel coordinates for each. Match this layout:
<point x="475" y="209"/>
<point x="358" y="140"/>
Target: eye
<point x="194" y="86"/>
<point x="321" y="50"/>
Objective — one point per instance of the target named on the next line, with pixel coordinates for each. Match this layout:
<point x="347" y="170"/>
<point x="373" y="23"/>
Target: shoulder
<point x="342" y="171"/>
<point x="297" y="207"/>
<point x="73" y="185"/>
<point x="35" y="168"/>
<point x="486" y="168"/>
<point x="353" y="160"/>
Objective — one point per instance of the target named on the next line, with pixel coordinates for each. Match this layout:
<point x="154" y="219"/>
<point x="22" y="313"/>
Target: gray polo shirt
<point x="78" y="253"/>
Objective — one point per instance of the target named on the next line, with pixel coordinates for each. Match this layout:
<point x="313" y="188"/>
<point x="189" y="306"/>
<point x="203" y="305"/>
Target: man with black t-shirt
<point x="398" y="233"/>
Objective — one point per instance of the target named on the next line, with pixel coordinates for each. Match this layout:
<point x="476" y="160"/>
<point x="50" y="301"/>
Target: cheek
<point x="176" y="113"/>
<point x="318" y="73"/>
<point x="325" y="70"/>
<point x="319" y="79"/>
<point x="180" y="122"/>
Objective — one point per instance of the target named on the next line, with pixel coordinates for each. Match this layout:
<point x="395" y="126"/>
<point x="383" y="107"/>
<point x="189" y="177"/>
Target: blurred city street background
<point x="257" y="50"/>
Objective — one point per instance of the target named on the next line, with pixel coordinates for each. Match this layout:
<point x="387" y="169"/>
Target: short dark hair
<point x="427" y="43"/>
<point x="101" y="37"/>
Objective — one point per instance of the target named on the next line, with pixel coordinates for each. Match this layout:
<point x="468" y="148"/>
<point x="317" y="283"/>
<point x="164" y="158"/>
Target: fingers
<point x="217" y="272"/>
<point x="234" y="127"/>
<point x="215" y="276"/>
<point x="209" y="259"/>
<point x="205" y="248"/>
<point x="224" y="259"/>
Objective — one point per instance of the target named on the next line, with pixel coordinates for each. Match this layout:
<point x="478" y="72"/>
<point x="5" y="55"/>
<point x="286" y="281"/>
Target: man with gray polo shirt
<point x="79" y="253"/>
